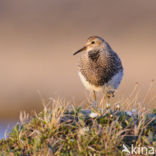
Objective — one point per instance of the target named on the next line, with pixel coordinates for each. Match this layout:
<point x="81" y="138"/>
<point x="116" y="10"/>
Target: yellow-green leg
<point x="109" y="95"/>
<point x="103" y="102"/>
<point x="94" y="95"/>
<point x="106" y="99"/>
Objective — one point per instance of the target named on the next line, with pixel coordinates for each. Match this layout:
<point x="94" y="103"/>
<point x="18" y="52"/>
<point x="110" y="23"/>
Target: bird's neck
<point x="94" y="54"/>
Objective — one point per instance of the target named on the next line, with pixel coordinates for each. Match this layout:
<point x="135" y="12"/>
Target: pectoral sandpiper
<point x="100" y="68"/>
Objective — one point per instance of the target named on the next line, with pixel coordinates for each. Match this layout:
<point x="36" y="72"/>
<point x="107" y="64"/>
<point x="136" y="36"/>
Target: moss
<point x="62" y="131"/>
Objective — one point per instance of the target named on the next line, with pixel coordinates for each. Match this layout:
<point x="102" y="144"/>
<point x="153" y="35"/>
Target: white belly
<point x="112" y="84"/>
<point x="88" y="85"/>
<point x="115" y="80"/>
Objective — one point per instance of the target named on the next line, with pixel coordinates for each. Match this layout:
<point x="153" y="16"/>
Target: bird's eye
<point x="92" y="42"/>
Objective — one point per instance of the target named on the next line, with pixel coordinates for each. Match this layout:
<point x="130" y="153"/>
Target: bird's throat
<point x="94" y="55"/>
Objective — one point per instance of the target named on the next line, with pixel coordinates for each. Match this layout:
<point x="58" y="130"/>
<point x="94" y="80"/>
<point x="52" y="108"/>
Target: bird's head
<point x="93" y="42"/>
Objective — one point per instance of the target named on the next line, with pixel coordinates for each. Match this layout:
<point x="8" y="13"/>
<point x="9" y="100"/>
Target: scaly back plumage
<point x="98" y="66"/>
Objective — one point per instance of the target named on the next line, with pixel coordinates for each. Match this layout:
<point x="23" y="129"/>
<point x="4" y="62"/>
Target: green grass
<point x="64" y="129"/>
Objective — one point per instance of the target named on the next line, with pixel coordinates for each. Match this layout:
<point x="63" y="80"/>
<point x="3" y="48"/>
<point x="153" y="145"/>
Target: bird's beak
<point x="82" y="49"/>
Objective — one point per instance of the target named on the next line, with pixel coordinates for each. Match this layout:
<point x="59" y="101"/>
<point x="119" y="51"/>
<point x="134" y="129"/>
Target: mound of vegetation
<point x="61" y="129"/>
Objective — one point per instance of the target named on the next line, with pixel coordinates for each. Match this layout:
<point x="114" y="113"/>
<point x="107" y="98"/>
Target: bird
<point x="100" y="68"/>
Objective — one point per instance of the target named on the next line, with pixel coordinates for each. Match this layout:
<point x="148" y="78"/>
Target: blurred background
<point x="37" y="39"/>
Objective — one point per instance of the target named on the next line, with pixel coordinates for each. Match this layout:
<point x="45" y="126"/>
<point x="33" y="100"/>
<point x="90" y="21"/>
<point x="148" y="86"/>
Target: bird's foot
<point x="94" y="104"/>
<point x="110" y="93"/>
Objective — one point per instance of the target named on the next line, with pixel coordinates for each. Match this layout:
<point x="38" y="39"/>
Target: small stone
<point x="93" y="115"/>
<point x="133" y="110"/>
<point x="83" y="130"/>
<point x="111" y="116"/>
<point x="107" y="105"/>
<point x="117" y="107"/>
<point x="129" y="113"/>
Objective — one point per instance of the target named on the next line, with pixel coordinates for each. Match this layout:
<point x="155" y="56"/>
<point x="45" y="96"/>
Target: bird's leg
<point x="109" y="95"/>
<point x="94" y="95"/>
<point x="94" y="101"/>
<point x="106" y="99"/>
<point x="103" y="102"/>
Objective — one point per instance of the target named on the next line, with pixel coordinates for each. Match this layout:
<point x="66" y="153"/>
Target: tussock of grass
<point x="62" y="129"/>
